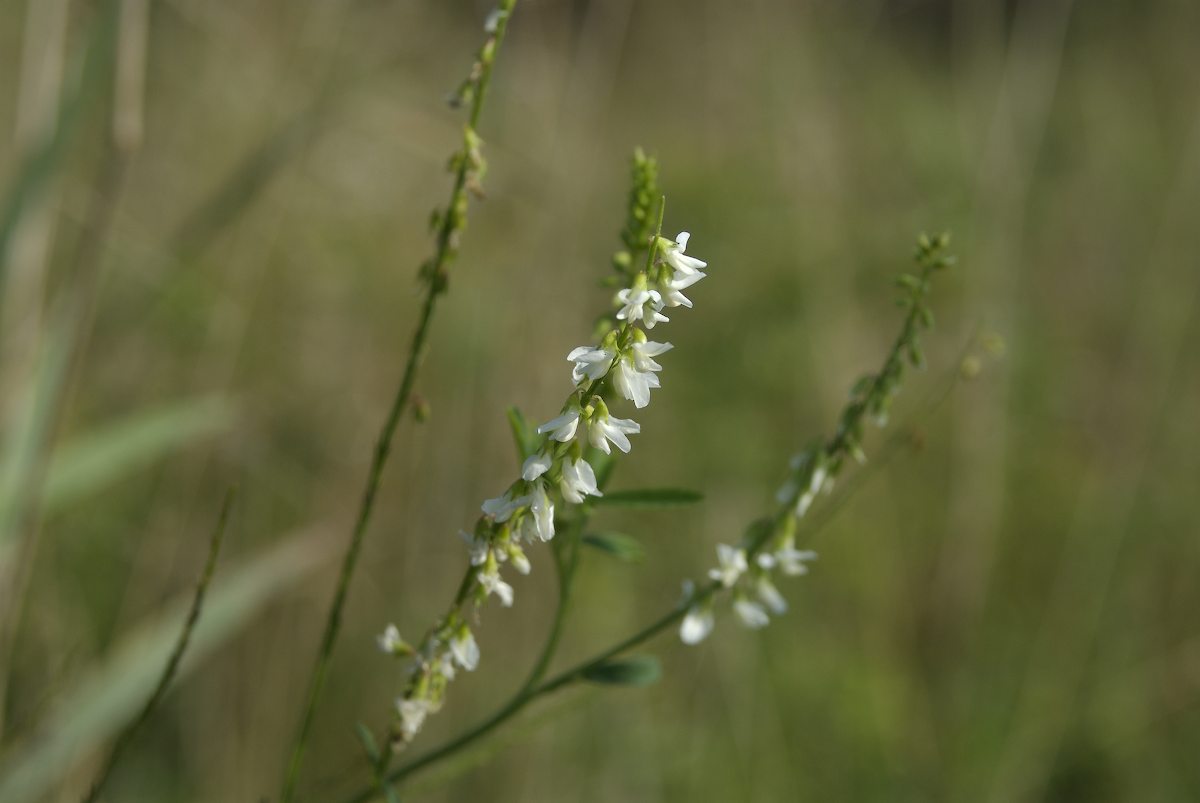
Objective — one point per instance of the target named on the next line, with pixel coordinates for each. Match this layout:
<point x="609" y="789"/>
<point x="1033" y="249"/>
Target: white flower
<point x="641" y="305"/>
<point x="501" y="508"/>
<point x="644" y="353"/>
<point x="818" y="479"/>
<point x="769" y="595"/>
<point x="699" y="621"/>
<point x="493" y="20"/>
<point x="793" y="561"/>
<point x="541" y="518"/>
<point x="578" y="481"/>
<point x="633" y="384"/>
<point x="477" y="548"/>
<point x="672" y="254"/>
<point x="490" y="579"/>
<point x="412" y="716"/>
<point x="563" y="427"/>
<point x="815" y="484"/>
<point x="445" y="666"/>
<point x="517" y="556"/>
<point x="389" y="641"/>
<point x="535" y="466"/>
<point x="672" y="289"/>
<point x="604" y="428"/>
<point x="731" y="565"/>
<point x="464" y="649"/>
<point x="590" y="363"/>
<point x="751" y="613"/>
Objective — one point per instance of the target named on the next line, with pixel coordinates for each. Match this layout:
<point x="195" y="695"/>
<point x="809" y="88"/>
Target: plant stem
<point x="181" y="644"/>
<point x="451" y="223"/>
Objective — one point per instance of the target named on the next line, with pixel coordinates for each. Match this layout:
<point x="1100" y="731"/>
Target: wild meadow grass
<point x="212" y="230"/>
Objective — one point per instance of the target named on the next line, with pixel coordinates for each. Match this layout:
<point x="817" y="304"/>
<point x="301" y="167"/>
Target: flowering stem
<point x="876" y="391"/>
<point x="871" y="398"/>
<point x="566" y="561"/>
<point x="433" y="272"/>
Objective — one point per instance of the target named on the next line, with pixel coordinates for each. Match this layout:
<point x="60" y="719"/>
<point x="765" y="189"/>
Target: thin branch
<point x="126" y="737"/>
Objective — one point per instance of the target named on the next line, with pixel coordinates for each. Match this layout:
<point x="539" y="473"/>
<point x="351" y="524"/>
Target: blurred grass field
<point x="1004" y="610"/>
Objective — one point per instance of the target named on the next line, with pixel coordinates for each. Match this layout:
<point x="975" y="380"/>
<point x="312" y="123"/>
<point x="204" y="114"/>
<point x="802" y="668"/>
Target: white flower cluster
<point x="748" y="573"/>
<point x="431" y="669"/>
<point x="557" y="471"/>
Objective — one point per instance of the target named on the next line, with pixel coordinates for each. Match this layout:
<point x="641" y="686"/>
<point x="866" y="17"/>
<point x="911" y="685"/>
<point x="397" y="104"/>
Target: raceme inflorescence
<point x="621" y="363"/>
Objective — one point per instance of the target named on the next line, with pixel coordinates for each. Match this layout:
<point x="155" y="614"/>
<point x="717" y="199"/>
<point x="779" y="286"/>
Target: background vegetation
<point x="1004" y="611"/>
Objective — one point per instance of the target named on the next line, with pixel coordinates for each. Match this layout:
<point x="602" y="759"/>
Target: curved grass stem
<point x="181" y="644"/>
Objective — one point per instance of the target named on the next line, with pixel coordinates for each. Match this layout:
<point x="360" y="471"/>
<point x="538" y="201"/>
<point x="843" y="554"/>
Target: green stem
<point x="181" y="644"/>
<point x="436" y="285"/>
<point x="527" y="695"/>
<point x="566" y="564"/>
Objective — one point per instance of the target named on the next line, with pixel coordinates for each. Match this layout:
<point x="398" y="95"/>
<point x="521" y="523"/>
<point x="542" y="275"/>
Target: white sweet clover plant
<point x="621" y="363"/>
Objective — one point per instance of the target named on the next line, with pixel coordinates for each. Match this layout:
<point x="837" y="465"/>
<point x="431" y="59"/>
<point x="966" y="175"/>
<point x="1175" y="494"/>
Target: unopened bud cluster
<point x="467" y="163"/>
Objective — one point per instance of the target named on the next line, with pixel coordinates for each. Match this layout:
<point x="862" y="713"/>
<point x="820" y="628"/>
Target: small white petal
<point x="770" y="596"/>
<point x="465" y="650"/>
<point x="561" y="428"/>
<point x="697" y="624"/>
<point x="535" y="466"/>
<point x="477" y="548"/>
<point x="389" y="640"/>
<point x="750" y="613"/>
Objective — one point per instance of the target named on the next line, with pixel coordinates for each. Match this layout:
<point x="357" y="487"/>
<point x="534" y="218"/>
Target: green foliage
<point x="636" y="670"/>
<point x="524" y="432"/>
<point x="88" y="463"/>
<point x="618" y="545"/>
<point x="33" y="419"/>
<point x="367" y="740"/>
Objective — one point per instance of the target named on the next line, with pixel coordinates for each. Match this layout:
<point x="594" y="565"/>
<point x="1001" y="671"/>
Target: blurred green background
<point x="1005" y="611"/>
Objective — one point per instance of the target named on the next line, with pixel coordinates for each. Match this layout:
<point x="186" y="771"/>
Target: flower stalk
<point x="770" y="543"/>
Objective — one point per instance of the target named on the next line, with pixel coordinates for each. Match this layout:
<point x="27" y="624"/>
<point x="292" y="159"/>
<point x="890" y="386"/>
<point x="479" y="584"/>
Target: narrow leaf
<point x="524" y="433"/>
<point x="620" y="546"/>
<point x="86" y="464"/>
<point x="637" y="670"/>
<point x="367" y="739"/>
<point x="650" y="497"/>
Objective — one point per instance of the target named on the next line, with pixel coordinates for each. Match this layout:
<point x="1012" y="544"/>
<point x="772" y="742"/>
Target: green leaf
<point x="525" y="436"/>
<point x="637" y="670"/>
<point x="367" y="739"/>
<point x="86" y="464"/>
<point x="28" y="439"/>
<point x="650" y="497"/>
<point x="620" y="546"/>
